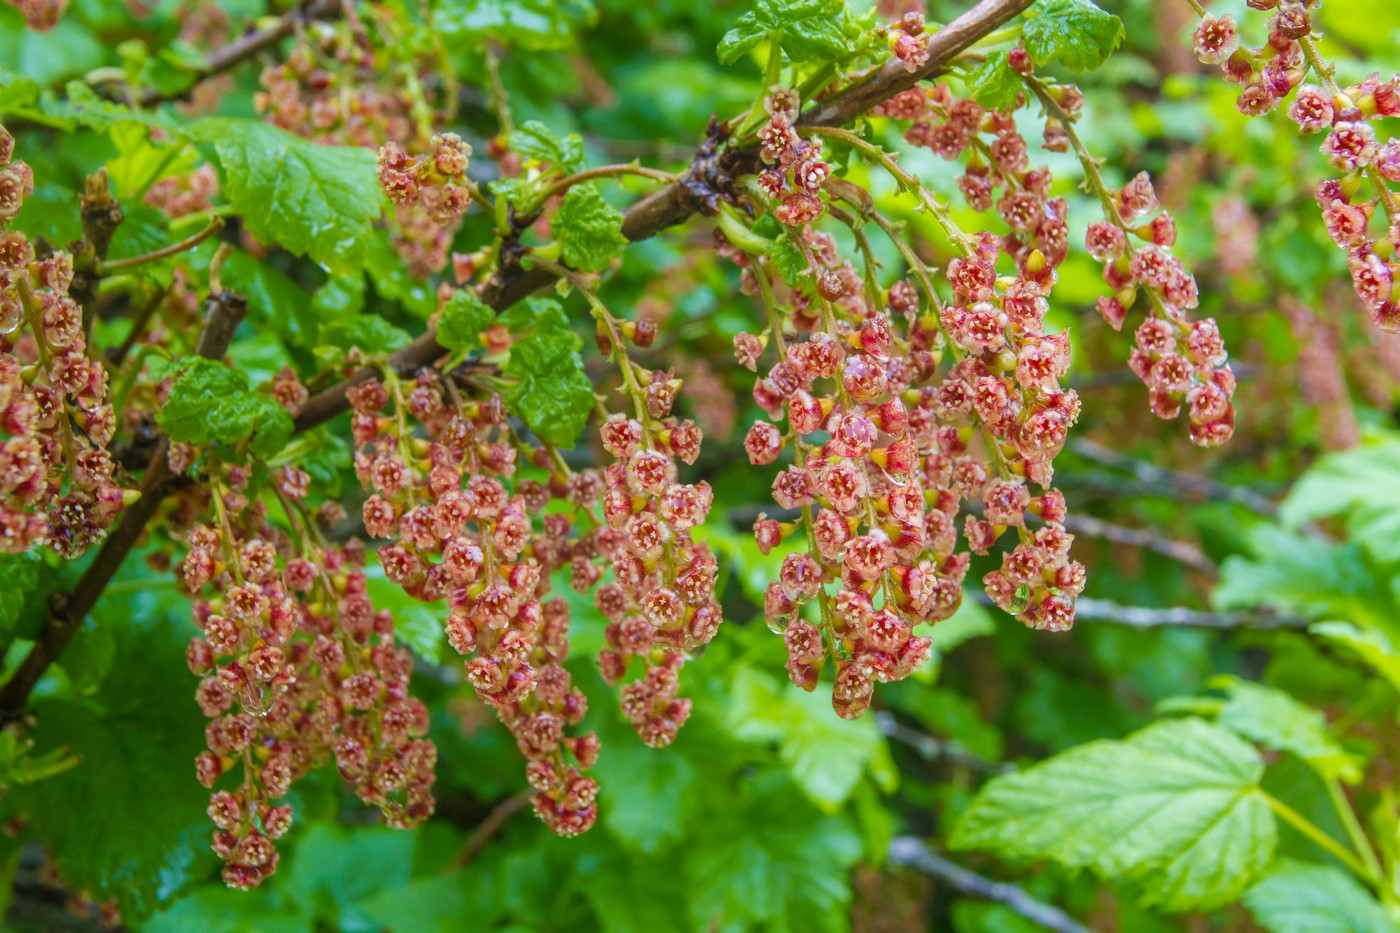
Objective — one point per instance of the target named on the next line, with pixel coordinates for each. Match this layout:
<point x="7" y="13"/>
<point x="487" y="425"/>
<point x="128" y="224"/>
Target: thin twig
<point x="1152" y="475"/>
<point x="138" y="327"/>
<point x="188" y="243"/>
<point x="67" y="610"/>
<point x="1087" y="609"/>
<point x="1183" y="552"/>
<point x="906" y="850"/>
<point x="933" y="748"/>
<point x="488" y="827"/>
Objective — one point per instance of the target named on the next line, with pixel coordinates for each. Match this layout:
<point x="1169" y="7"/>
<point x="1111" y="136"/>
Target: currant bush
<point x="353" y="346"/>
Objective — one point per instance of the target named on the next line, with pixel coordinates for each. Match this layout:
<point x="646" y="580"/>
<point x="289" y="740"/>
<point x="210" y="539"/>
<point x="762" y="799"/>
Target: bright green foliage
<point x="1076" y="33"/>
<point x="464" y="317"/>
<point x="826" y="756"/>
<point x="535" y="141"/>
<point x="589" y="228"/>
<point x="1273" y="718"/>
<point x="310" y="199"/>
<point x="1293" y="573"/>
<point x="1359" y="486"/>
<point x="807" y="30"/>
<point x="371" y="334"/>
<point x="1175" y="808"/>
<point x="790" y="870"/>
<point x="536" y="25"/>
<point x="552" y="395"/>
<point x="994" y="84"/>
<point x="19" y="573"/>
<point x="1301" y="897"/>
<point x="211" y="403"/>
<point x="789" y="261"/>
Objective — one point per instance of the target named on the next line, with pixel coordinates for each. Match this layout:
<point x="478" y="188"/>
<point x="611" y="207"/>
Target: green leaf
<point x="275" y="301"/>
<point x="313" y="200"/>
<point x="369" y="332"/>
<point x="654" y="793"/>
<point x="807" y="30"/>
<point x="552" y="396"/>
<point x="1359" y="485"/>
<point x="535" y="141"/>
<point x="1372" y="645"/>
<point x="1301" y="897"/>
<point x="128" y="822"/>
<point x="995" y="84"/>
<point x="535" y="25"/>
<point x="435" y="904"/>
<point x="19" y="575"/>
<point x="826" y="756"/>
<point x="1075" y="32"/>
<point x="141" y="161"/>
<point x="1296" y="574"/>
<point x="464" y="318"/>
<point x="789" y="261"/>
<point x="1174" y="807"/>
<point x="746" y="35"/>
<point x="589" y="228"/>
<point x="211" y="403"/>
<point x="1273" y="718"/>
<point x="534" y="314"/>
<point x="766" y="859"/>
<point x="16" y="91"/>
<point x="334" y="867"/>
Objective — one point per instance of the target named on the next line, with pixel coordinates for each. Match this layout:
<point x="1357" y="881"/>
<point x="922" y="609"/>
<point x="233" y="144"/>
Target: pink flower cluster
<point x="798" y="173"/>
<point x="297" y="667"/>
<point x="1182" y="362"/>
<point x="56" y="475"/>
<point x="1370" y="168"/>
<point x="464" y="537"/>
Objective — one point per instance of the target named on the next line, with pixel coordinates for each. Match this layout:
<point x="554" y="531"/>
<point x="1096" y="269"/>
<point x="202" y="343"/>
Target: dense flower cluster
<point x="798" y="171"/>
<point x="1369" y="167"/>
<point x="660" y="603"/>
<point x="297" y="667"/>
<point x="886" y="444"/>
<point x="462" y="536"/>
<point x="55" y="471"/>
<point x="436" y="182"/>
<point x="1182" y="362"/>
<point x="998" y="174"/>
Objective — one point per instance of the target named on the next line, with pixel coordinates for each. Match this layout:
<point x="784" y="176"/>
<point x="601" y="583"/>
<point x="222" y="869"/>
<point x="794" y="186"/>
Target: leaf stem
<point x="1311" y="830"/>
<point x="121" y="265"/>
<point x="1355" y="831"/>
<point x="605" y="171"/>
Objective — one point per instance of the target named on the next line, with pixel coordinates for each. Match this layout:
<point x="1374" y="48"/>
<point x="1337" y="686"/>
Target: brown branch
<point x="488" y="827"/>
<point x="907" y="850"/>
<point x="674" y="203"/>
<point x="1258" y="618"/>
<point x="1151" y="475"/>
<point x="67" y="610"/>
<point x="228" y="57"/>
<point x="1182" y="552"/>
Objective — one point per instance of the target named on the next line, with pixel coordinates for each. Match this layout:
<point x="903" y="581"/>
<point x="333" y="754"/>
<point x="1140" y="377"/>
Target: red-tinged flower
<point x="1215" y="39"/>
